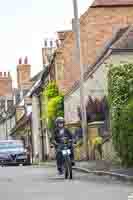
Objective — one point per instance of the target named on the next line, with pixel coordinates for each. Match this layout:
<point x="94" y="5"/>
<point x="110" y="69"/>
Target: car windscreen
<point x="11" y="146"/>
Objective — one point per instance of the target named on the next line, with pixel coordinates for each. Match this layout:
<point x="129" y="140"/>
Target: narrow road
<point x="34" y="183"/>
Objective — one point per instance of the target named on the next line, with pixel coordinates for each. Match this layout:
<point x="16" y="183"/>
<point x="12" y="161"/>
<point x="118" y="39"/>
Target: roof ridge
<point x="99" y="3"/>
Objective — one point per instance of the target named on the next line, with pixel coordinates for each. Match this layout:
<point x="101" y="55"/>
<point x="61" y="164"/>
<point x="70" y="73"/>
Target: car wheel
<point x="27" y="163"/>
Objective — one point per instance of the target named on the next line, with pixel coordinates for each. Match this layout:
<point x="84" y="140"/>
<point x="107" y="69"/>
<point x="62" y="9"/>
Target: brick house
<point x="98" y="24"/>
<point x="15" y="103"/>
<point x="118" y="50"/>
<point x="5" y="84"/>
<point x="6" y="91"/>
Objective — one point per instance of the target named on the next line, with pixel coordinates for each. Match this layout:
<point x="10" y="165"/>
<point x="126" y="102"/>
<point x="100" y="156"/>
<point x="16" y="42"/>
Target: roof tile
<point x="112" y="3"/>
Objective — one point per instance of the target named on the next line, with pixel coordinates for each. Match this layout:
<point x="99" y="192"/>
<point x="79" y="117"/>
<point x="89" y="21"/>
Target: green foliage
<point x="53" y="104"/>
<point x="120" y="82"/>
<point x="55" y="107"/>
<point x="51" y="90"/>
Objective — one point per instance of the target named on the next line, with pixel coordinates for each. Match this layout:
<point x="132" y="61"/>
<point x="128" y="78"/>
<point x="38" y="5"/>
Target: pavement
<point x="39" y="183"/>
<point x="101" y="167"/>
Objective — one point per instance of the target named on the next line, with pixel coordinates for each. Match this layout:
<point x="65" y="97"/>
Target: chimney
<point x="20" y="61"/>
<point x="51" y="44"/>
<point x="23" y="73"/>
<point x="26" y="60"/>
<point x="9" y="75"/>
<point x="45" y="43"/>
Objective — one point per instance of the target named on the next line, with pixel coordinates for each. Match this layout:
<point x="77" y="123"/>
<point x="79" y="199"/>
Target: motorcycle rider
<point x="59" y="133"/>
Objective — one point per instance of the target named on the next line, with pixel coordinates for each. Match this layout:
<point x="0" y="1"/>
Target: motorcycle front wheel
<point x="68" y="168"/>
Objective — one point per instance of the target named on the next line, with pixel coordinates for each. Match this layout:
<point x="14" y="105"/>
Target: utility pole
<point x="80" y="64"/>
<point x="6" y="128"/>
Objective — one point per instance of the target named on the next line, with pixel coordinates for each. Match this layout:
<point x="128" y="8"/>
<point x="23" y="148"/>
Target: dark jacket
<point x="57" y="137"/>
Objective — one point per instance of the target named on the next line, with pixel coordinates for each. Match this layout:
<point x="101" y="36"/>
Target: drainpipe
<point x="32" y="147"/>
<point x="42" y="131"/>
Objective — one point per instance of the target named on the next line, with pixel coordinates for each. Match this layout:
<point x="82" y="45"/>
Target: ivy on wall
<point x="120" y="95"/>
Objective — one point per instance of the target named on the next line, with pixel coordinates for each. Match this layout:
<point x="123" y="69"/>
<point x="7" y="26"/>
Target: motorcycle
<point x="66" y="153"/>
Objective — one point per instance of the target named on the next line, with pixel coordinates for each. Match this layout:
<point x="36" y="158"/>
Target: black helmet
<point x="59" y="120"/>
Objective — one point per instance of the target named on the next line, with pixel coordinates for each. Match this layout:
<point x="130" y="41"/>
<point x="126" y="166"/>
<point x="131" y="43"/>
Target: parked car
<point x="12" y="152"/>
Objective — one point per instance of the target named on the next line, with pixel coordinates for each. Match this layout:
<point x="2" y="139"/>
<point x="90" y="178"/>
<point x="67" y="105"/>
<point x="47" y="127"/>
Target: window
<point x="9" y="104"/>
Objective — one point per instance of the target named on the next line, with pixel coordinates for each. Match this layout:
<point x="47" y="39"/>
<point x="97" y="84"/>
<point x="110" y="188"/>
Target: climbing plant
<point x="53" y="102"/>
<point x="120" y="95"/>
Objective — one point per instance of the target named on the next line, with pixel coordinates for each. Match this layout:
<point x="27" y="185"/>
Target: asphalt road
<point x="34" y="183"/>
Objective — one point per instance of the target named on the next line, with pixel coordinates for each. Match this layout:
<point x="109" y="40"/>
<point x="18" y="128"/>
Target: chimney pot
<point x="4" y="74"/>
<point x="26" y="60"/>
<point x="45" y="43"/>
<point x="9" y="75"/>
<point x="20" y="61"/>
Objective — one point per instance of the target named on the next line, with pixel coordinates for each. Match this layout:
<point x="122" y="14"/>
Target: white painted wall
<point x="36" y="125"/>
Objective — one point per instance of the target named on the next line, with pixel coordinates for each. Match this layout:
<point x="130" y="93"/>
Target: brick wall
<point x="5" y="84"/>
<point x="97" y="27"/>
<point x="60" y="58"/>
<point x="23" y="74"/>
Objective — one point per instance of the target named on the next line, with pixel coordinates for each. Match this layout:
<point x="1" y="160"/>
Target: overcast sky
<point x="25" y="23"/>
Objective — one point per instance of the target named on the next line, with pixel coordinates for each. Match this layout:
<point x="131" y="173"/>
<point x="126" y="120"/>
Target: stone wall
<point x="108" y="151"/>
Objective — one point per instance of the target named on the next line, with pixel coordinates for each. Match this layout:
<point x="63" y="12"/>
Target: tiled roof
<point x="37" y="76"/>
<point x="126" y="41"/>
<point x="112" y="3"/>
<point x="21" y="123"/>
